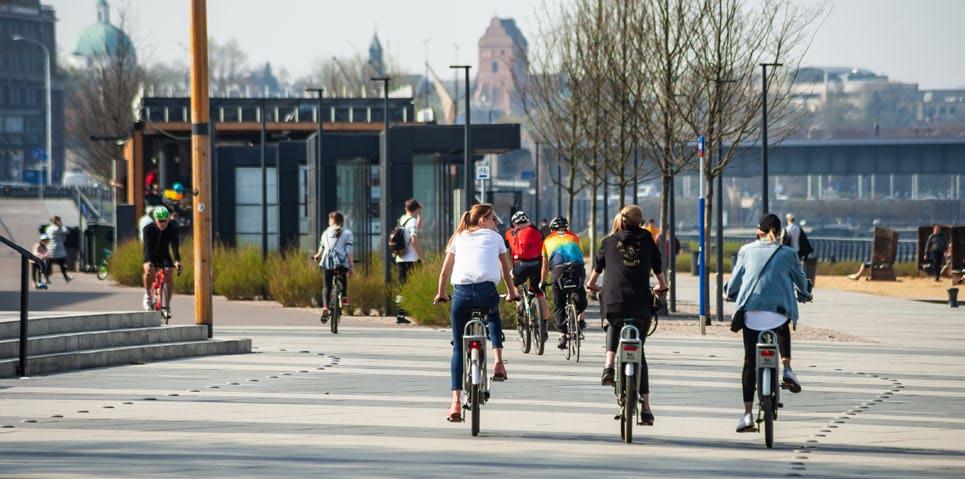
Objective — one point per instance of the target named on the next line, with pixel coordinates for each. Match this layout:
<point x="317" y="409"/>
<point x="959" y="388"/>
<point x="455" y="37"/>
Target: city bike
<point x="626" y="377"/>
<point x="570" y="284"/>
<point x="159" y="292"/>
<point x="529" y="325"/>
<point x="475" y="380"/>
<point x="102" y="268"/>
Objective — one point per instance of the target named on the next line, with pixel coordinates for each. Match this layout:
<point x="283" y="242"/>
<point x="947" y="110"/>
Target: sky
<point x="916" y="41"/>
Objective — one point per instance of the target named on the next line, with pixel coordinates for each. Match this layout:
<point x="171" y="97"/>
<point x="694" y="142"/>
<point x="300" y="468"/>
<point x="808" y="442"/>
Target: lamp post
<point x="264" y="185"/>
<point x="384" y="183"/>
<point x="318" y="164"/>
<point x="538" y="175"/>
<point x="49" y="142"/>
<point x="468" y="174"/>
<point x="719" y="306"/>
<point x="764" y="193"/>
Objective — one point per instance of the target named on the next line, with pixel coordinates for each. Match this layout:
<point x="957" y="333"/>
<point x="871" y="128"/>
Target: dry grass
<point x="906" y="287"/>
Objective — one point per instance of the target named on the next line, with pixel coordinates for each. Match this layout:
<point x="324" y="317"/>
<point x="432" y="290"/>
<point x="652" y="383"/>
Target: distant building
<point x="502" y="61"/>
<point x="22" y="92"/>
<point x="376" y="56"/>
<point x="101" y="40"/>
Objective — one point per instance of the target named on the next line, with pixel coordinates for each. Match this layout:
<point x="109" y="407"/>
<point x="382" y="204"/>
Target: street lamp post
<point x="318" y="164"/>
<point x="764" y="193"/>
<point x="468" y="173"/>
<point x="264" y="185"/>
<point x="719" y="306"/>
<point x="384" y="202"/>
<point x="538" y="175"/>
<point x="49" y="142"/>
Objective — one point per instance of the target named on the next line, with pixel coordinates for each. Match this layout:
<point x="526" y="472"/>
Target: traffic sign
<point x="527" y="174"/>
<point x="482" y="172"/>
<point x="39" y="154"/>
<point x="700" y="146"/>
<point x="32" y="177"/>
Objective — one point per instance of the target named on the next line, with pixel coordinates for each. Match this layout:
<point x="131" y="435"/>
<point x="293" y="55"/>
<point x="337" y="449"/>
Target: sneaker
<point x="746" y="424"/>
<point x="400" y="319"/>
<point x="325" y="314"/>
<point x="562" y="342"/>
<point x="790" y="381"/>
<point x="148" y="302"/>
<point x="344" y="301"/>
<point x="646" y="417"/>
<point x="607" y="379"/>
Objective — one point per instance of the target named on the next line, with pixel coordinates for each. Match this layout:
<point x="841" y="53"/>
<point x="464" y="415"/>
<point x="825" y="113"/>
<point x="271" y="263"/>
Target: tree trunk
<point x="593" y="219"/>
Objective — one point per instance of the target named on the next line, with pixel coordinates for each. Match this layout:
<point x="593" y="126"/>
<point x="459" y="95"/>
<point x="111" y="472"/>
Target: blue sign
<point x="700" y="146"/>
<point x="39" y="154"/>
<point x="32" y="177"/>
<point x="527" y="174"/>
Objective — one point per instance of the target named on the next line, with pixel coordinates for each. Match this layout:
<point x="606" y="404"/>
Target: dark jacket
<point x="936" y="244"/>
<point x="628" y="257"/>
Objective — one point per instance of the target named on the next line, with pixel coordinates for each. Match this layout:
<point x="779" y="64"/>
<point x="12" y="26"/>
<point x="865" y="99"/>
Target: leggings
<point x="63" y="266"/>
<point x="613" y="340"/>
<point x="39" y="272"/>
<point x="749" y="376"/>
<point x="328" y="288"/>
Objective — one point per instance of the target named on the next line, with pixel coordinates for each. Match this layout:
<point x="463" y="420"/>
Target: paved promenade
<point x="370" y="402"/>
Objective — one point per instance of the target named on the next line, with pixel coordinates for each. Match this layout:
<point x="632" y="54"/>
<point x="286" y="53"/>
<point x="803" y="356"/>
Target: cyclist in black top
<point x="160" y="241"/>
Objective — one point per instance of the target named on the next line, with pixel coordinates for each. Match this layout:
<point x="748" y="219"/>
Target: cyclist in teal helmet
<point x="161" y="240"/>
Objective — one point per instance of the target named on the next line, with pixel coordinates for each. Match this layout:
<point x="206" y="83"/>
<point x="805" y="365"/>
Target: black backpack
<point x="805" y="249"/>
<point x="397" y="239"/>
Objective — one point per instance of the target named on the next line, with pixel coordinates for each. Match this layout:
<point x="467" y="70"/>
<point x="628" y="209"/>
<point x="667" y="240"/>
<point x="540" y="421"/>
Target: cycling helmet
<point x="178" y="187"/>
<point x="44" y="237"/>
<point x="161" y="214"/>
<point x="519" y="218"/>
<point x="559" y="224"/>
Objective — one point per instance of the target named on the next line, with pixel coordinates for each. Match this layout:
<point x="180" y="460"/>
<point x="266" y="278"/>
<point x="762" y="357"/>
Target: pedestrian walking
<point x="144" y="221"/>
<point x="408" y="251"/>
<point x="57" y="233"/>
<point x="935" y="251"/>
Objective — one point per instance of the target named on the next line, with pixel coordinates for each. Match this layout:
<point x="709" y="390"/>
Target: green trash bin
<point x="98" y="243"/>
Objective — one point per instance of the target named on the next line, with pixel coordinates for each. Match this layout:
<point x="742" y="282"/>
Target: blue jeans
<point x="466" y="297"/>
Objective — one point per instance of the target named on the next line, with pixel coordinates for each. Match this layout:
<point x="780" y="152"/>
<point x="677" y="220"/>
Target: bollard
<point x="952" y="297"/>
<point x="694" y="268"/>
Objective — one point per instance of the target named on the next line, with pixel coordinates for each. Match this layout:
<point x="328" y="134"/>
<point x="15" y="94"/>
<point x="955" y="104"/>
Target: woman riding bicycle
<point x="763" y="283"/>
<point x="475" y="261"/>
<point x="628" y="255"/>
<point x="334" y="256"/>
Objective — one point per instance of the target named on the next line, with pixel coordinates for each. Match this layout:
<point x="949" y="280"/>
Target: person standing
<point x="410" y="224"/>
<point x="791" y="234"/>
<point x="935" y="251"/>
<point x="39" y="271"/>
<point x="334" y="256"/>
<point x="57" y="233"/>
<point x="144" y="221"/>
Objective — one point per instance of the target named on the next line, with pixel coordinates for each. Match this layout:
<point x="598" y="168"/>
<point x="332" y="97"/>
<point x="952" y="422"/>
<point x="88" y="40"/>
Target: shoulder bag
<point x="737" y="321"/>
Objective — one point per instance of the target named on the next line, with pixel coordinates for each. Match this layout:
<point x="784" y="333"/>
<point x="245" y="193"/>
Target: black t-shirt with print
<point x="628" y="257"/>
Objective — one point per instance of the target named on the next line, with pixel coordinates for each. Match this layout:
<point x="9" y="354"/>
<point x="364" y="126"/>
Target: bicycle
<point x="102" y="268"/>
<point x="768" y="392"/>
<point x="159" y="292"/>
<point x="626" y="377"/>
<point x="529" y="325"/>
<point x="475" y="380"/>
<point x="569" y="284"/>
<point x="336" y="311"/>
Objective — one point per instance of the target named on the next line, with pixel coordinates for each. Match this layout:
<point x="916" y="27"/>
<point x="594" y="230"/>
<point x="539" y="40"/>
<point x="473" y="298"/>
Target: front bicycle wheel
<point x="163" y="303"/>
<point x="629" y="408"/>
<point x="102" y="272"/>
<point x="474" y="401"/>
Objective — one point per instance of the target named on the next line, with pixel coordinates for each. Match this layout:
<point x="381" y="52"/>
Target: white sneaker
<point x="746" y="424"/>
<point x="148" y="302"/>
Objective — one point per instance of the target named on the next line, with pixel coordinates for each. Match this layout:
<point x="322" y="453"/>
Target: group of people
<point x="51" y="248"/>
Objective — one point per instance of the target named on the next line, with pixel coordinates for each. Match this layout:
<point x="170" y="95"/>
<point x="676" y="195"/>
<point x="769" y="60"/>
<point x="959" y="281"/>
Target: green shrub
<point x="239" y="273"/>
<point x="367" y="290"/>
<point x="126" y="265"/>
<point x="184" y="283"/>
<point x="293" y="279"/>
<point x="421" y="287"/>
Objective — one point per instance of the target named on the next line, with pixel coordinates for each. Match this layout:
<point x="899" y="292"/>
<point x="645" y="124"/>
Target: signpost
<point x="701" y="252"/>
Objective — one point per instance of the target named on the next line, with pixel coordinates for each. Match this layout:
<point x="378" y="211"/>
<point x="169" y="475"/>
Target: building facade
<point x="23" y="156"/>
<point x="502" y="61"/>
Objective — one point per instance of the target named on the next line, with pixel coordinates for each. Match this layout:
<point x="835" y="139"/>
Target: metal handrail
<point x="25" y="256"/>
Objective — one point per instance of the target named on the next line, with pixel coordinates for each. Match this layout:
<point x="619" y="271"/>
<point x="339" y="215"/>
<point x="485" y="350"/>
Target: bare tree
<point x="102" y="97"/>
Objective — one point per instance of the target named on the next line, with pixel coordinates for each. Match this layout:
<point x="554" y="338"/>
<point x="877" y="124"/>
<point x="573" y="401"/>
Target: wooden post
<point x="200" y="165"/>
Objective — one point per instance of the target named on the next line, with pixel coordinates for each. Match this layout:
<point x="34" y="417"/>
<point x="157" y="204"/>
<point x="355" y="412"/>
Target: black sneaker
<point x="608" y="374"/>
<point x="562" y="342"/>
<point x="401" y="320"/>
<point x="646" y="418"/>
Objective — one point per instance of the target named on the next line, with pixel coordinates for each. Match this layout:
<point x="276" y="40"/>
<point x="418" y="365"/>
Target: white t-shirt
<point x="477" y="256"/>
<point x="410" y="229"/>
<point x="763" y="320"/>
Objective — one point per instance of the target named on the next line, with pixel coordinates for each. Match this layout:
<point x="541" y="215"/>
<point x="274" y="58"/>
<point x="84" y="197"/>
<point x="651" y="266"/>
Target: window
<point x="13" y="124"/>
<point x="495" y="67"/>
<point x="248" y="226"/>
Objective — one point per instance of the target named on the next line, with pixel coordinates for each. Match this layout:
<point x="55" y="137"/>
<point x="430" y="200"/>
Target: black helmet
<point x="519" y="218"/>
<point x="559" y="224"/>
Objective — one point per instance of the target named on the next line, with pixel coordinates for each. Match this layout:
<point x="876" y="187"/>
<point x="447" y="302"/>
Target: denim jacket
<point x="774" y="291"/>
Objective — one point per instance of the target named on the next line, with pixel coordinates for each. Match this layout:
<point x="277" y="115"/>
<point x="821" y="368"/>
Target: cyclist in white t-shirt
<point x="476" y="260"/>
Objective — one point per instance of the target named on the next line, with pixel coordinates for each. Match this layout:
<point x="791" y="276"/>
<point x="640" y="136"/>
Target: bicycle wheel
<point x="474" y="392"/>
<point x="522" y="327"/>
<point x="539" y="332"/>
<point x="629" y="408"/>
<point x="163" y="304"/>
<point x="102" y="272"/>
<point x="768" y="407"/>
<point x="336" y="311"/>
<point x="570" y="327"/>
<point x="577" y="341"/>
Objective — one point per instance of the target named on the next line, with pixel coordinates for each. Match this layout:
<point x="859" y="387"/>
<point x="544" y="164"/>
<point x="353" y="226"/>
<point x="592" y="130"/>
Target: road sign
<point x="32" y="177"/>
<point x="482" y="172"/>
<point x="39" y="154"/>
<point x="700" y="146"/>
<point x="527" y="175"/>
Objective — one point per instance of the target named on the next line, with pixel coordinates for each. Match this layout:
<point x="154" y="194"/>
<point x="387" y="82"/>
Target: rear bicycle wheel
<point x="474" y="401"/>
<point x="577" y="341"/>
<point x="629" y="408"/>
<point x="522" y="327"/>
<point x="336" y="312"/>
<point x="767" y="405"/>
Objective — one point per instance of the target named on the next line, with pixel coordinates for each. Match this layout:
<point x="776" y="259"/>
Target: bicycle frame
<point x="628" y="358"/>
<point x="474" y="350"/>
<point x="768" y="360"/>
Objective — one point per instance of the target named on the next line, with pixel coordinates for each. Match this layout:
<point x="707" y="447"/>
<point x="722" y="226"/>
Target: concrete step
<point x="67" y="342"/>
<point x="72" y="323"/>
<point x="138" y="354"/>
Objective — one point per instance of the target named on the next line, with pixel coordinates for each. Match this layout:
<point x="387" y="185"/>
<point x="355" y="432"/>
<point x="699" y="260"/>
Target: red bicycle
<point x="159" y="292"/>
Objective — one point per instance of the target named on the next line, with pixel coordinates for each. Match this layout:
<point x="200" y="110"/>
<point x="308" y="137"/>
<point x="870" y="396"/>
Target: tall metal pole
<point x="559" y="185"/>
<point x="319" y="214"/>
<point x="24" y="306"/>
<point x="264" y="186"/>
<point x="720" y="231"/>
<point x="200" y="166"/>
<point x="467" y="166"/>
<point x="49" y="137"/>
<point x="673" y="248"/>
<point x="636" y="175"/>
<point x="765" y="206"/>
<point x="385" y="204"/>
<point x="702" y="251"/>
<point x="538" y="176"/>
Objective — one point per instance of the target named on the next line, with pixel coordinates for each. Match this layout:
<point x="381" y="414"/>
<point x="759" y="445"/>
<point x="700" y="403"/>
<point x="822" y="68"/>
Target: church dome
<point x="102" y="38"/>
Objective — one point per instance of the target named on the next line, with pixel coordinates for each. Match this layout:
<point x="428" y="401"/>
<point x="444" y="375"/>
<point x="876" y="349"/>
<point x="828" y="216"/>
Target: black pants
<point x="613" y="340"/>
<point x="749" y="376"/>
<point x="935" y="258"/>
<point x="328" y="288"/>
<point x="404" y="268"/>
<point x="559" y="296"/>
<point x="63" y="266"/>
<point x="40" y="273"/>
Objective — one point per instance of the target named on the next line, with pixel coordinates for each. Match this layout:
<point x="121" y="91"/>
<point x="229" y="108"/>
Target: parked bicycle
<point x="531" y="329"/>
<point x="102" y="268"/>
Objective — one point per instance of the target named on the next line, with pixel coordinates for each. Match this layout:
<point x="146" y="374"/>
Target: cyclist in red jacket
<point x="526" y="245"/>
